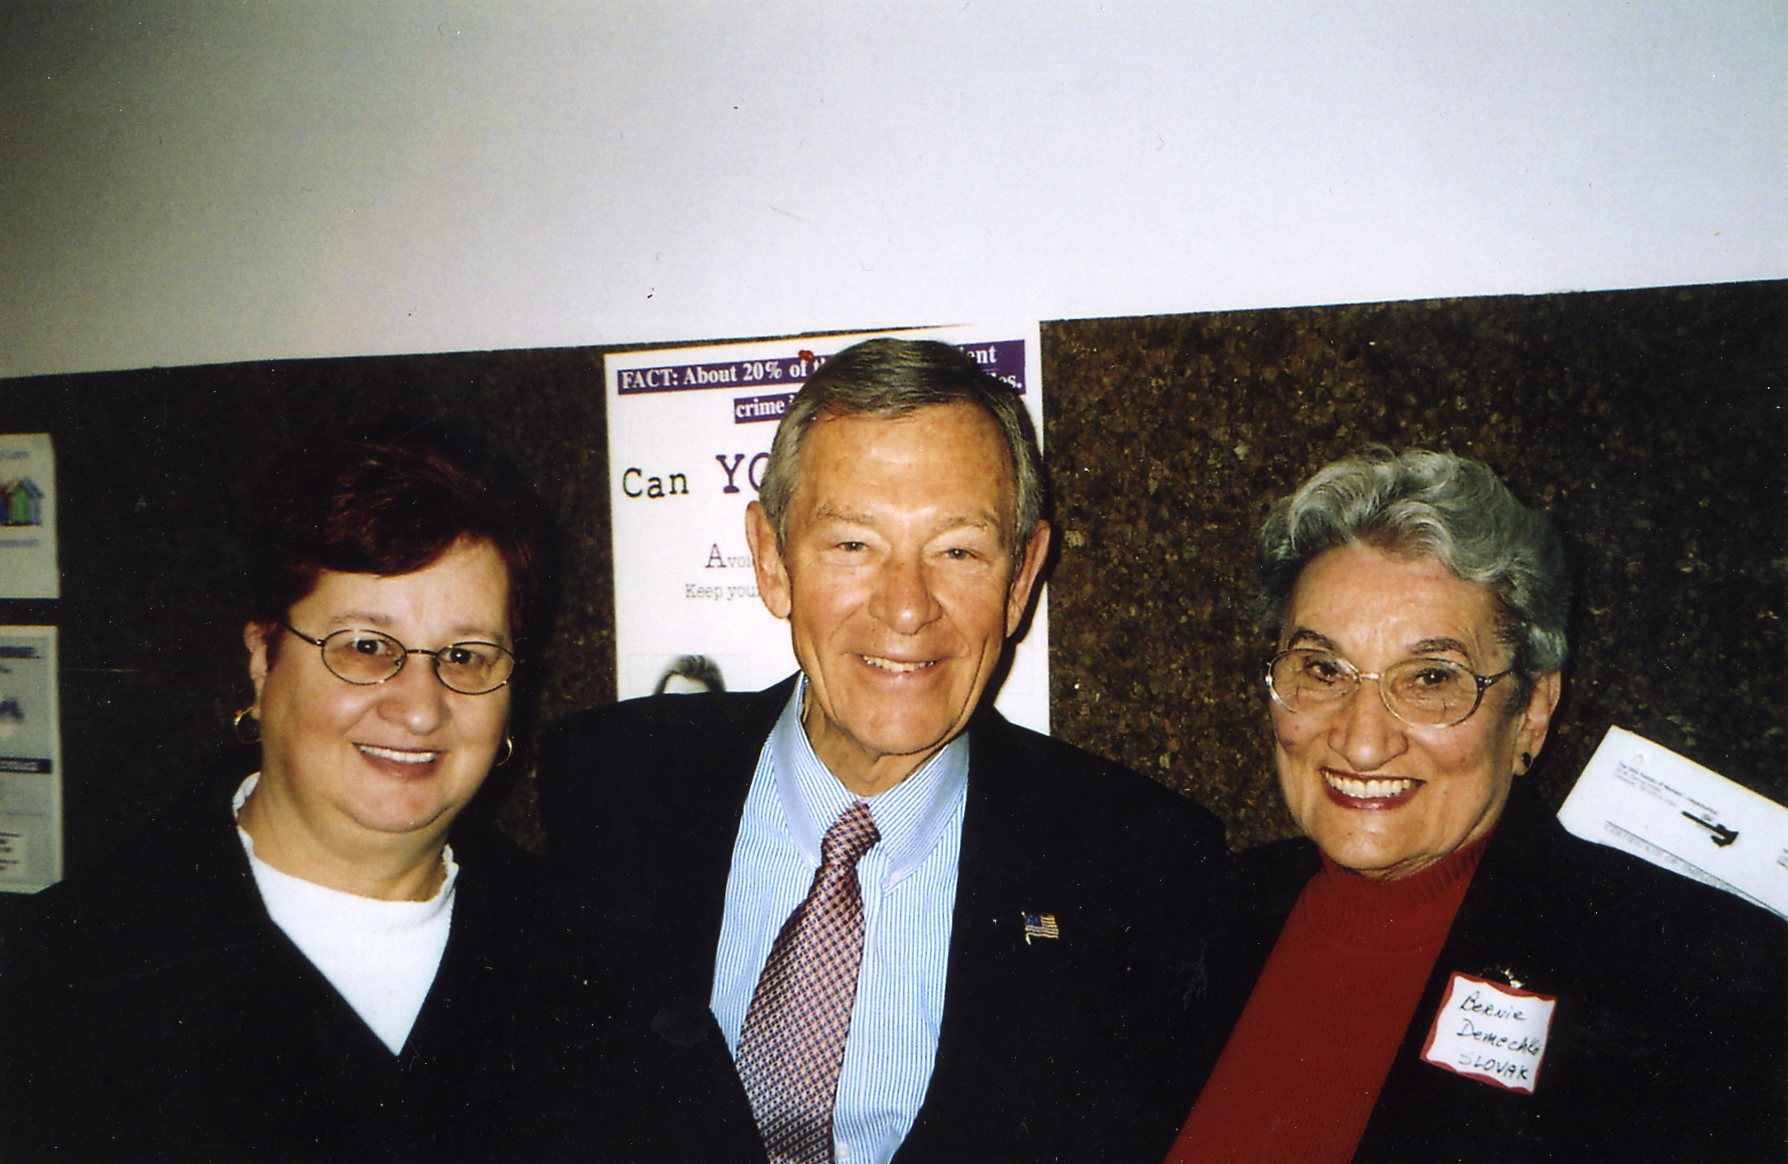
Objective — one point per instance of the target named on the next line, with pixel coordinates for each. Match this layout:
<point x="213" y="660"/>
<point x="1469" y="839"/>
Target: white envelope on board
<point x="1644" y="799"/>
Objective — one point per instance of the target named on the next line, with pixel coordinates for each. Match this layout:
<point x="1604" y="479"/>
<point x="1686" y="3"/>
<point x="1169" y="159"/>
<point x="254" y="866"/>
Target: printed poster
<point x="28" y="517"/>
<point x="30" y="760"/>
<point x="689" y="432"/>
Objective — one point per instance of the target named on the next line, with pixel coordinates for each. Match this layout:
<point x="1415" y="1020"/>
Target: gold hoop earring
<point x="246" y="715"/>
<point x="508" y="752"/>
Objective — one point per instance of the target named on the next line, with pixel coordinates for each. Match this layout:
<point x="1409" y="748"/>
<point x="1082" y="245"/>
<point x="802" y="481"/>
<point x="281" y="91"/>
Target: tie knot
<point x="851" y="835"/>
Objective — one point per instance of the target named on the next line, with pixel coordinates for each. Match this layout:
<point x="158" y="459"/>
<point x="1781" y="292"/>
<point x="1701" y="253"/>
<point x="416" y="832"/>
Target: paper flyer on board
<point x="689" y="432"/>
<point x="30" y="760"/>
<point x="28" y="517"/>
<point x="1644" y="799"/>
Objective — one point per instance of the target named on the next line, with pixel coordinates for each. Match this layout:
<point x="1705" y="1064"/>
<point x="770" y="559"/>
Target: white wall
<point x="191" y="183"/>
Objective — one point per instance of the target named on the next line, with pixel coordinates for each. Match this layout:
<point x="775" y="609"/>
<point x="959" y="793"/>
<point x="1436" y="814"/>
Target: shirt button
<point x="840" y="1151"/>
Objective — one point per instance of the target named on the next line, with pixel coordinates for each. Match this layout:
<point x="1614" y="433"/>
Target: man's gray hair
<point x="893" y="378"/>
<point x="1437" y="505"/>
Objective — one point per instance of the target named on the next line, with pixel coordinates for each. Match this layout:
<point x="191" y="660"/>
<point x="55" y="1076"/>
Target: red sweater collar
<point x="1417" y="910"/>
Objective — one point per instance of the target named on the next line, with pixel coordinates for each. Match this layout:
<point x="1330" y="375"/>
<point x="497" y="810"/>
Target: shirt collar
<point x="910" y="816"/>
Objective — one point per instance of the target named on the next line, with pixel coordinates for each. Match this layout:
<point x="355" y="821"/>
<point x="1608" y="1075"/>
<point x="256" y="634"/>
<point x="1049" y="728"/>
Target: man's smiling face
<point x="898" y="579"/>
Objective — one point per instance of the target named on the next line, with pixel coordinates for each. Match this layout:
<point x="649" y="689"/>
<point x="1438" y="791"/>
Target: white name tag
<point x="1492" y="1033"/>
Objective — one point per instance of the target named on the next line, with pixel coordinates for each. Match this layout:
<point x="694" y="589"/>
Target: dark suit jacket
<point x="1052" y="1050"/>
<point x="155" y="1012"/>
<point x="1670" y="1038"/>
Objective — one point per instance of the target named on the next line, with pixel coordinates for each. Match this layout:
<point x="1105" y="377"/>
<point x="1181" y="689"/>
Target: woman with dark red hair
<point x="299" y="965"/>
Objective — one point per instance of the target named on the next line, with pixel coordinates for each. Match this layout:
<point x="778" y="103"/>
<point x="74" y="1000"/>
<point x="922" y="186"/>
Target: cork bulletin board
<point x="1650" y="423"/>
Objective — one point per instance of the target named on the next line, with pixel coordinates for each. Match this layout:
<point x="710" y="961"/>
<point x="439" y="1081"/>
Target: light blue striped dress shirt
<point x="908" y="882"/>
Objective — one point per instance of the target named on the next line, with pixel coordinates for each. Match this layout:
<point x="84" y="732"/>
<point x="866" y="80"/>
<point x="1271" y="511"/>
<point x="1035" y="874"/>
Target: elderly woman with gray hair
<point x="1438" y="972"/>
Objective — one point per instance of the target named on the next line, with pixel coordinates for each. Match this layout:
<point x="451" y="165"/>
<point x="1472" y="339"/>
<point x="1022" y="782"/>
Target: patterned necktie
<point x="792" y="1044"/>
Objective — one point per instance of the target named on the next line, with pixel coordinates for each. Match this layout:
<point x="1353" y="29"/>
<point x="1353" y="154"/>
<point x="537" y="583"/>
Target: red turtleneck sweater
<point x="1303" y="1068"/>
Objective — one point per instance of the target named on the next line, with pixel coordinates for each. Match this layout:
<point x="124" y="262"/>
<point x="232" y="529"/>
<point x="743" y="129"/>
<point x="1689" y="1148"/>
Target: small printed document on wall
<point x="30" y="760"/>
<point x="28" y="517"/>
<point x="1644" y="799"/>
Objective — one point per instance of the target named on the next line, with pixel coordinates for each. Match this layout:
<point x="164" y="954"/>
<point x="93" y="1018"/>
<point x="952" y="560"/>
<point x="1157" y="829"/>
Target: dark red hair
<point x="386" y="504"/>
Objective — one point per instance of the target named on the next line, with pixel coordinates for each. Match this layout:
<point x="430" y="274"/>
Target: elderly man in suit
<point x="922" y="933"/>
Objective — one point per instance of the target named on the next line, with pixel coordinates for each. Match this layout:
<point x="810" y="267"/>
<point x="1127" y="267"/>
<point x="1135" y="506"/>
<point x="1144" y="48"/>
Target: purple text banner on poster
<point x="1003" y="359"/>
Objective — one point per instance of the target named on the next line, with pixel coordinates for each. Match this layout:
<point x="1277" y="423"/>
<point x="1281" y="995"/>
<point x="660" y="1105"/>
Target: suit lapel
<point x="710" y="786"/>
<point x="992" y="1017"/>
<point x="1495" y="933"/>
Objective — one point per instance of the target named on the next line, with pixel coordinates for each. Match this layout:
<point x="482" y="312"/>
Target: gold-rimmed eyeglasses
<point x="1420" y="692"/>
<point x="366" y="657"/>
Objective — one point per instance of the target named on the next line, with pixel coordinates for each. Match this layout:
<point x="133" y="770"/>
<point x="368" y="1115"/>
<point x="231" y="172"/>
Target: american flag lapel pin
<point x="1040" y="925"/>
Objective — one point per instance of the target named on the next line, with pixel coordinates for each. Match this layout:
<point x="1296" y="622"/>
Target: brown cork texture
<point x="1649" y="423"/>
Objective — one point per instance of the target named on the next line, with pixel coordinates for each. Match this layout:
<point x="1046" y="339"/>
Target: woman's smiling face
<point x="1379" y="796"/>
<point x="349" y="768"/>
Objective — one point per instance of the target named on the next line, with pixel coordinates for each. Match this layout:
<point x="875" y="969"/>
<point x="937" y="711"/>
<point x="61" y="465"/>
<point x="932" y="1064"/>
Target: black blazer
<point x="155" y="1012"/>
<point x="1053" y="1050"/>
<point x="1670" y="1037"/>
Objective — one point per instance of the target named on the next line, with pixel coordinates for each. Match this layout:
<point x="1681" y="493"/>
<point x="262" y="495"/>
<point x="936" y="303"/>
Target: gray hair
<point x="891" y="378"/>
<point x="1437" y="505"/>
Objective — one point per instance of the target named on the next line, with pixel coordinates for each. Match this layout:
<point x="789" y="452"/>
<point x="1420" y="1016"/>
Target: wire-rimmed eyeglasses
<point x="1420" y="692"/>
<point x="366" y="657"/>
